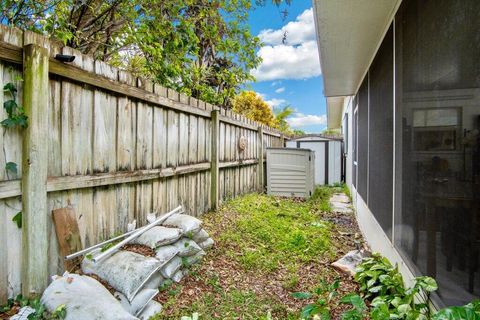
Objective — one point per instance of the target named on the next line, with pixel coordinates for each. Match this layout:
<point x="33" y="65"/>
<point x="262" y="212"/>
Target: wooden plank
<point x="144" y="189"/>
<point x="11" y="53"/>
<point x="202" y="139"/>
<point x="105" y="120"/>
<point x="193" y="140"/>
<point x="68" y="235"/>
<point x="126" y="154"/>
<point x="104" y="151"/>
<point x="159" y="196"/>
<point x="14" y="247"/>
<point x="76" y="74"/>
<point x="126" y="128"/>
<point x="3" y="254"/>
<point x="261" y="183"/>
<point x="237" y="163"/>
<point x="55" y="129"/>
<point x="183" y="139"/>
<point x="35" y="159"/>
<point x="214" y="170"/>
<point x="172" y="139"/>
<point x="76" y="122"/>
<point x="159" y="136"/>
<point x="144" y="136"/>
<point x="12" y="188"/>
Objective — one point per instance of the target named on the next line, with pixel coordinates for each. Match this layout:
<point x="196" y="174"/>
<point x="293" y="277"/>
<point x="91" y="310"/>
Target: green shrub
<point x="382" y="284"/>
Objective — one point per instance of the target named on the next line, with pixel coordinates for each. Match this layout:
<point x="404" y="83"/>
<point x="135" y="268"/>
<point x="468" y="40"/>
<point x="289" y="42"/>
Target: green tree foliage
<point x="202" y="48"/>
<point x="281" y="115"/>
<point x="298" y="132"/>
<point x="252" y="106"/>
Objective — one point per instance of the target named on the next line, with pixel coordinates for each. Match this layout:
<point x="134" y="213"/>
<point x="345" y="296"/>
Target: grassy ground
<point x="266" y="249"/>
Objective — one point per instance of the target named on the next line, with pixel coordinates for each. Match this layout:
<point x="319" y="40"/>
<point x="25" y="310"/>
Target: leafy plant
<point x="470" y="311"/>
<point x="11" y="167"/>
<point x="323" y="296"/>
<point x="18" y="219"/>
<point x="378" y="277"/>
<point x="382" y="283"/>
<point x="16" y="114"/>
<point x="359" y="310"/>
<point x="40" y="312"/>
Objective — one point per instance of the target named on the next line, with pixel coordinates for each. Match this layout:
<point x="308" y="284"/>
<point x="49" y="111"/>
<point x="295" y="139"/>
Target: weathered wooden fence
<point x="114" y="147"/>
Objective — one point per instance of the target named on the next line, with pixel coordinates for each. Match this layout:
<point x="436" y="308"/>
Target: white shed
<point x="328" y="156"/>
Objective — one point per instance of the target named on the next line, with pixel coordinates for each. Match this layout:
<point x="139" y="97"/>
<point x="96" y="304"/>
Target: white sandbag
<point x="138" y="303"/>
<point x="188" y="224"/>
<point x="178" y="276"/>
<point x="132" y="226"/>
<point x="186" y="247"/>
<point x="207" y="244"/>
<point x="165" y="253"/>
<point x="155" y="281"/>
<point x="152" y="308"/>
<point x="81" y="296"/>
<point x="158" y="236"/>
<point x="200" y="236"/>
<point x="151" y="217"/>
<point x="171" y="267"/>
<point x="196" y="258"/>
<point x="125" y="271"/>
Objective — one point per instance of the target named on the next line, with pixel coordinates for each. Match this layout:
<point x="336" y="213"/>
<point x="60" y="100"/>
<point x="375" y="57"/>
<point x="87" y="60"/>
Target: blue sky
<point x="290" y="71"/>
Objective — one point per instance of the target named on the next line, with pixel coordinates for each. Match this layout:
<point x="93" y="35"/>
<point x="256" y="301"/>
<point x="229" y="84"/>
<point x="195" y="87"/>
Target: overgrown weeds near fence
<point x="266" y="249"/>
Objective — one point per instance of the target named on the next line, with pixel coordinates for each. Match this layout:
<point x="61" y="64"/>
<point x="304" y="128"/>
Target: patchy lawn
<point x="266" y="249"/>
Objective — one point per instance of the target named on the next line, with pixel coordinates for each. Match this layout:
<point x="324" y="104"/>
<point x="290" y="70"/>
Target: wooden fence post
<point x="214" y="168"/>
<point x="260" y="159"/>
<point x="34" y="166"/>
<point x="282" y="140"/>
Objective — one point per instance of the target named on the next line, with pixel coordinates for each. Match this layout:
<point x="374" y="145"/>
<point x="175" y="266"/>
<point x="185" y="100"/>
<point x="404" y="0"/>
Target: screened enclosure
<point x="416" y="142"/>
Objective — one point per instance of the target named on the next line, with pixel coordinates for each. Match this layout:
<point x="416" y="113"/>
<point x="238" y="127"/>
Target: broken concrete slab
<point x="349" y="262"/>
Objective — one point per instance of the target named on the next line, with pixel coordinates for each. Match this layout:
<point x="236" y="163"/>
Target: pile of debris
<point x="177" y="240"/>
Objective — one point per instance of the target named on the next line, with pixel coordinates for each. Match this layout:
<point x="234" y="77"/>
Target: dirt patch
<point x="140" y="249"/>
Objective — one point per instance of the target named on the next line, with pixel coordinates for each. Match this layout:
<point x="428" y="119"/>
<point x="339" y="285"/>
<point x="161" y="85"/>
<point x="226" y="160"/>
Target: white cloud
<point x="297" y="58"/>
<point x="273" y="103"/>
<point x="288" y="62"/>
<point x="296" y="32"/>
<point x="262" y="95"/>
<point x="301" y="120"/>
<point x="280" y="90"/>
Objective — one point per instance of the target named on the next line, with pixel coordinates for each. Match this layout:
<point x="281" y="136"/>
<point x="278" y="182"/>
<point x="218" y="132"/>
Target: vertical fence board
<point x="34" y="178"/>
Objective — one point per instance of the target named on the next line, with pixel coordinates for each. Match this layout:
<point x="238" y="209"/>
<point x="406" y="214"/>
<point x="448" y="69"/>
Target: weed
<point x="271" y="233"/>
<point x="322" y="296"/>
<point x="40" y="312"/>
<point x="291" y="282"/>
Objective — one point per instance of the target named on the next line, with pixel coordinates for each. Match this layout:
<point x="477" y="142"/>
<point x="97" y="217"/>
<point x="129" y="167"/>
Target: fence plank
<point x="260" y="159"/>
<point x="214" y="170"/>
<point x="35" y="159"/>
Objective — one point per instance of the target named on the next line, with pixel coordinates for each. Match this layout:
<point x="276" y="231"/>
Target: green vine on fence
<point x="15" y="118"/>
<point x="15" y="113"/>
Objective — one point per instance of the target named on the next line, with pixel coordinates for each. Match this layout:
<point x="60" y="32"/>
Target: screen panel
<point x="380" y="154"/>
<point x="362" y="147"/>
<point x="438" y="106"/>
